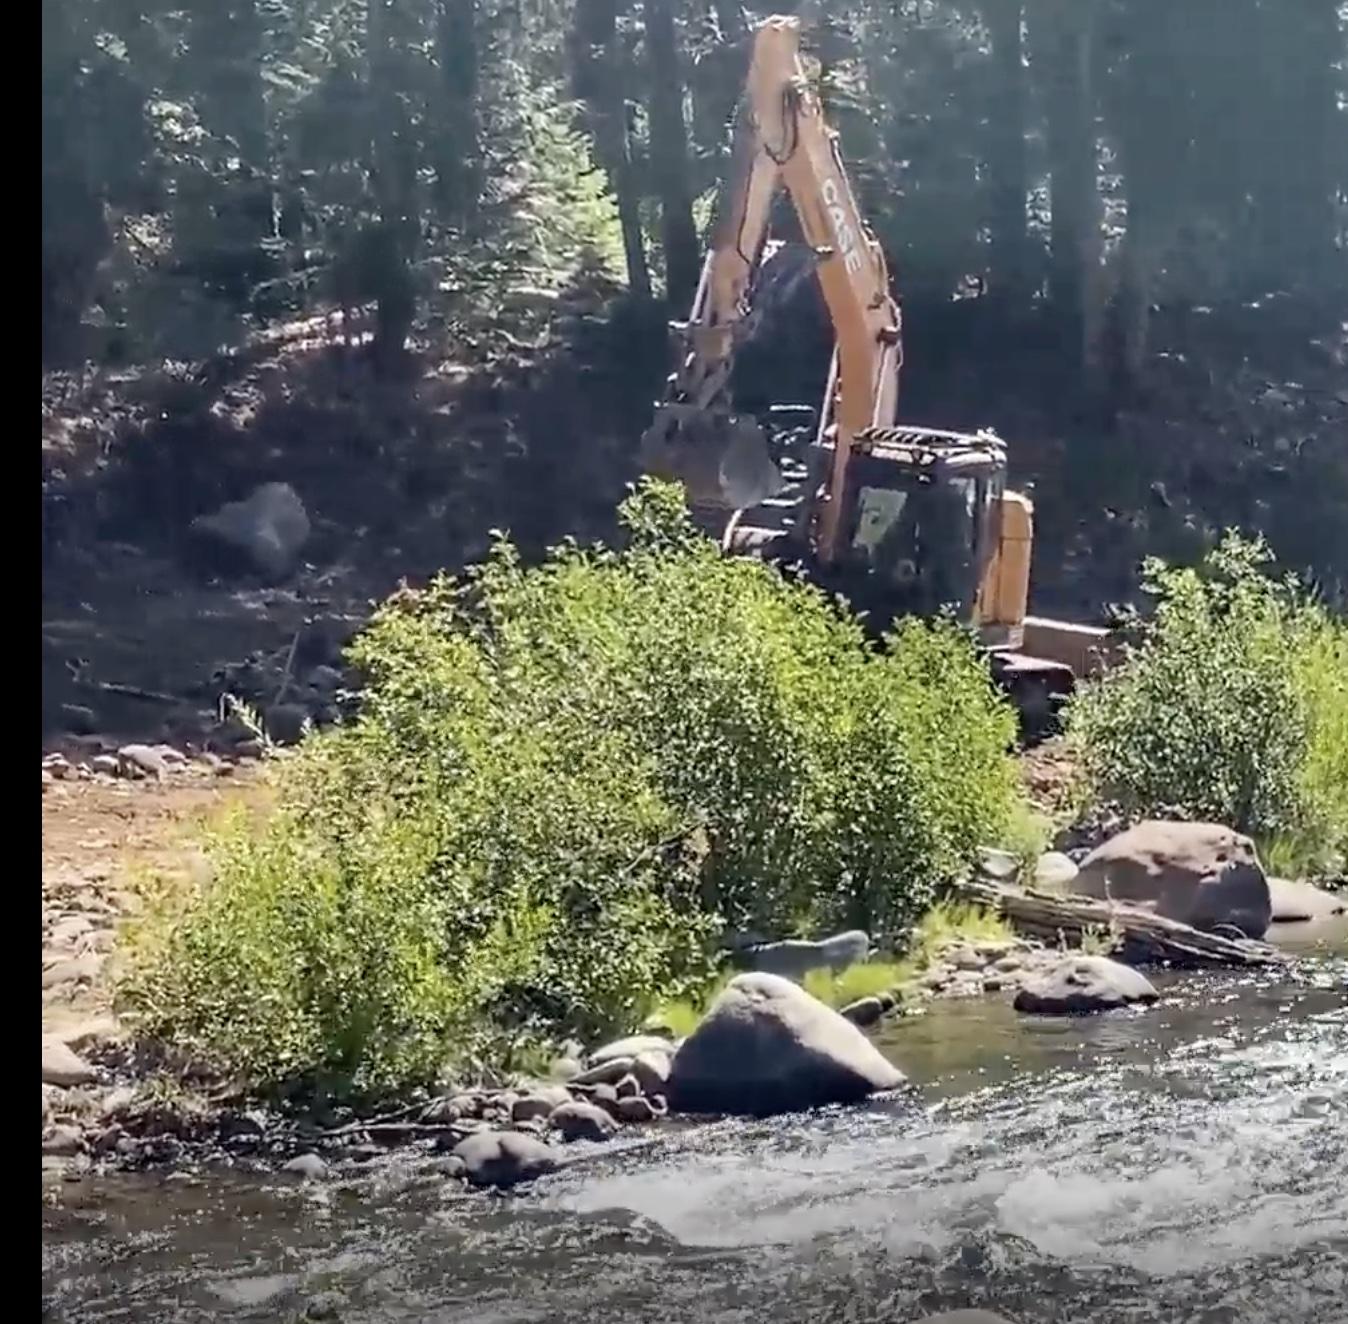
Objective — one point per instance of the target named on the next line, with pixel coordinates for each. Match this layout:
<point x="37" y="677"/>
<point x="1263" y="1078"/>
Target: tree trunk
<point x="225" y="40"/>
<point x="669" y="155"/>
<point x="456" y="150"/>
<point x="1008" y="168"/>
<point x="1303" y="133"/>
<point x="1064" y="46"/>
<point x="597" y="83"/>
<point x="391" y="248"/>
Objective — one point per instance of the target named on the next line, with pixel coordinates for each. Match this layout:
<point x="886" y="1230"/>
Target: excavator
<point x="897" y="519"/>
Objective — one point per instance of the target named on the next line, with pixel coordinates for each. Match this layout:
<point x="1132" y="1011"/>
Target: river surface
<point x="1186" y="1164"/>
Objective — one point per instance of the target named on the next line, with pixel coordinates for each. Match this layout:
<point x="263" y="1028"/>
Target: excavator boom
<point x="782" y="142"/>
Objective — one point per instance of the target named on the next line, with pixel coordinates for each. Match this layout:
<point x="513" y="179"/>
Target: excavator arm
<point x="783" y="143"/>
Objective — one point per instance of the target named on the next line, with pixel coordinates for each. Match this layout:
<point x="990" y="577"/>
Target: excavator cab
<point x="920" y="522"/>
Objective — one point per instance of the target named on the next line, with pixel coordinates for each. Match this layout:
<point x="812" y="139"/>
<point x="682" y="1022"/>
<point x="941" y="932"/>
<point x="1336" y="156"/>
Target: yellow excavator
<point x="899" y="519"/>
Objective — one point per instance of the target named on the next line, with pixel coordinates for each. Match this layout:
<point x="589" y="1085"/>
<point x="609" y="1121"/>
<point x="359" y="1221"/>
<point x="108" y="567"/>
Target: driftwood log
<point x="1142" y="935"/>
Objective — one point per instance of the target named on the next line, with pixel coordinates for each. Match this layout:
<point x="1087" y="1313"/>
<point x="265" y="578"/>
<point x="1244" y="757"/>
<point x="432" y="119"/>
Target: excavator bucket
<point x="721" y="459"/>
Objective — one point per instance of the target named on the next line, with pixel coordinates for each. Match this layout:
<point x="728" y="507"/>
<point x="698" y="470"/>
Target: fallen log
<point x="1142" y="937"/>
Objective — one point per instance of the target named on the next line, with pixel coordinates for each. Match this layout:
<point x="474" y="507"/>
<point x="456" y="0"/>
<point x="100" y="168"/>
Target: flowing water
<point x="1187" y="1164"/>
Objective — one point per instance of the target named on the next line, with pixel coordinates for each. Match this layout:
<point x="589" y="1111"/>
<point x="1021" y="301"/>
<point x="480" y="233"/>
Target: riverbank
<point x="120" y="823"/>
<point x="1178" y="1161"/>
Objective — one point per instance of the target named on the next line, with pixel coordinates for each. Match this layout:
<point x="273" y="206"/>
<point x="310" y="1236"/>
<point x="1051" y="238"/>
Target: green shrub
<point x="1232" y="706"/>
<point x="564" y="781"/>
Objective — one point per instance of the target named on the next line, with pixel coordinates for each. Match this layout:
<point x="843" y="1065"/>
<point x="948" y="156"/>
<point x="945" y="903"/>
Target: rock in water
<point x="1084" y="984"/>
<point x="582" y="1121"/>
<point x="1293" y="903"/>
<point x="766" y="1046"/>
<point x="62" y="1066"/>
<point x="863" y="1012"/>
<point x="794" y="958"/>
<point x="267" y="529"/>
<point x="504" y="1158"/>
<point x="307" y="1166"/>
<point x="1201" y="874"/>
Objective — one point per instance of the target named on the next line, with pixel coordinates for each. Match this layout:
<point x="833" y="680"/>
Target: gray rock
<point x="539" y="1102"/>
<point x="864" y="1011"/>
<point x="325" y="1306"/>
<point x="1293" y="903"/>
<point x="62" y="1066"/>
<point x="1053" y="870"/>
<point x="69" y="930"/>
<point x="108" y="764"/>
<point x="268" y="529"/>
<point x="582" y="1121"/>
<point x="794" y="958"/>
<point x="631" y="1047"/>
<point x="636" y="1110"/>
<point x="1084" y="984"/>
<point x="82" y="970"/>
<point x="627" y="1088"/>
<point x="1201" y="874"/>
<point x="141" y="761"/>
<point x="57" y="766"/>
<point x="652" y="1071"/>
<point x="307" y="1166"/>
<point x="766" y="1046"/>
<point x="504" y="1158"/>
<point x="608" y="1072"/>
<point x="965" y="958"/>
<point x="603" y="1096"/>
<point x="995" y="863"/>
<point x="63" y="1140"/>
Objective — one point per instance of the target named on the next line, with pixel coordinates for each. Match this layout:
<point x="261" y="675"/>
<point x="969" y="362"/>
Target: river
<point x="1186" y="1164"/>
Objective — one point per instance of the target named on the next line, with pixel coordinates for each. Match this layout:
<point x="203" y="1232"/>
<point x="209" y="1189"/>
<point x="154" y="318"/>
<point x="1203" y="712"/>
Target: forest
<point x="1117" y="228"/>
<point x="483" y="824"/>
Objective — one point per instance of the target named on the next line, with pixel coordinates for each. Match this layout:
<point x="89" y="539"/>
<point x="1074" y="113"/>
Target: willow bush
<point x="564" y="782"/>
<point x="1232" y="705"/>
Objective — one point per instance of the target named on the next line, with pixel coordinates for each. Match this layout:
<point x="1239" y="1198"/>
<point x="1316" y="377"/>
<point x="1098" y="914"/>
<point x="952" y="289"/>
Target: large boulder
<point x="1080" y="984"/>
<point x="1200" y="874"/>
<point x="504" y="1158"/>
<point x="794" y="958"/>
<point x="1294" y="903"/>
<point x="264" y="532"/>
<point x="766" y="1046"/>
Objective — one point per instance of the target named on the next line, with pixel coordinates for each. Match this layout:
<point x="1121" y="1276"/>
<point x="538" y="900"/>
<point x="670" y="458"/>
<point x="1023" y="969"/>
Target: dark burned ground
<point x="1245" y="422"/>
<point x="399" y="479"/>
